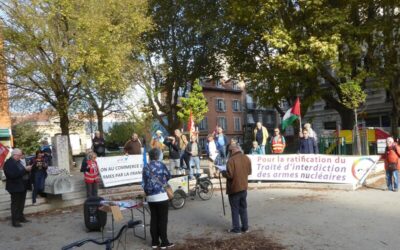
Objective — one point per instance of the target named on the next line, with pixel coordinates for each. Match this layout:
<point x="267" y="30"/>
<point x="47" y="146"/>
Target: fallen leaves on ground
<point x="250" y="241"/>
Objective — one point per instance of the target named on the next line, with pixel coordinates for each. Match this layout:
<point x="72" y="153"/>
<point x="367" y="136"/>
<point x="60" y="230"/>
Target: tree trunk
<point x="62" y="109"/>
<point x="100" y="118"/>
<point x="395" y="118"/>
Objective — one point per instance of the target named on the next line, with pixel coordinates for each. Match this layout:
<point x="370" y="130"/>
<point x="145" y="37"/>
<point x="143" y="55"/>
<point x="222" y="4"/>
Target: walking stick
<point x="222" y="192"/>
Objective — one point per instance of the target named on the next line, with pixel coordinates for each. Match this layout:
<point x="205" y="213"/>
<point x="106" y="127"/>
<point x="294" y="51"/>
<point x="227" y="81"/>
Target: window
<point x="221" y="107"/>
<point x="203" y="125"/>
<point x="218" y="84"/>
<point x="330" y="125"/>
<point x="235" y="85"/>
<point x="237" y="124"/>
<point x="260" y="118"/>
<point x="222" y="122"/>
<point x="203" y="143"/>
<point x="236" y="107"/>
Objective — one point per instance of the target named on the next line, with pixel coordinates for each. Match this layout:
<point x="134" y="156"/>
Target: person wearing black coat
<point x="307" y="145"/>
<point x="99" y="145"/>
<point x="174" y="154"/>
<point x="17" y="184"/>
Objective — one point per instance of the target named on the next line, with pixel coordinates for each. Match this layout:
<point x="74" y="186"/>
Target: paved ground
<point x="293" y="218"/>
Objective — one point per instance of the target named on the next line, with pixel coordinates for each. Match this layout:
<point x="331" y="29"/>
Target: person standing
<point x="158" y="142"/>
<point x="17" y="184"/>
<point x="38" y="174"/>
<point x="212" y="153"/>
<point x="174" y="154"/>
<point x="133" y="146"/>
<point x="311" y="133"/>
<point x="182" y="141"/>
<point x="392" y="164"/>
<point x="155" y="176"/>
<point x="222" y="141"/>
<point x="261" y="136"/>
<point x="92" y="177"/>
<point x="193" y="151"/>
<point x="307" y="144"/>
<point x="278" y="142"/>
<point x="46" y="149"/>
<point x="99" y="145"/>
<point x="238" y="169"/>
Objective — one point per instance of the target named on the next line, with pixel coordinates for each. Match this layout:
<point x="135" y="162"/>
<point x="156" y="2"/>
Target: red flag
<point x="3" y="154"/>
<point x="296" y="108"/>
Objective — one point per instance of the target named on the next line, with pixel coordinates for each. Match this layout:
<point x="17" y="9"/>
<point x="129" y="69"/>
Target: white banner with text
<point x="119" y="170"/>
<point x="311" y="168"/>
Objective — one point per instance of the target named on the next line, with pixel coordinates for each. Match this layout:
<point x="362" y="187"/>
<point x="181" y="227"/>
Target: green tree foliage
<point x="118" y="134"/>
<point x="182" y="47"/>
<point x="56" y="49"/>
<point x="26" y="138"/>
<point x="298" y="48"/>
<point x="195" y="103"/>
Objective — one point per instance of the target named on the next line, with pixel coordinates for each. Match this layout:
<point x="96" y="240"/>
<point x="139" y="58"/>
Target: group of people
<point x="277" y="142"/>
<point x="155" y="176"/>
<point x="22" y="176"/>
<point x="184" y="154"/>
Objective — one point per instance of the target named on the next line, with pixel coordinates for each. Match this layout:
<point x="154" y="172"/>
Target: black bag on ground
<point x="95" y="219"/>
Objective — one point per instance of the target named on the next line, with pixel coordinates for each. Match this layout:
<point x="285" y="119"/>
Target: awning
<point x="5" y="133"/>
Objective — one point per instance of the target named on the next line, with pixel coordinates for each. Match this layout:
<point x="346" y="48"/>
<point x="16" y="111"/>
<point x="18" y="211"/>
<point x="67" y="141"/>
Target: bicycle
<point x="203" y="188"/>
<point x="107" y="242"/>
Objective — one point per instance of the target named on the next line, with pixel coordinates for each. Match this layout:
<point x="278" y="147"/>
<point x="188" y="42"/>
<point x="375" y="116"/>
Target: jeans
<point x="238" y="204"/>
<point x="159" y="222"/>
<point x="262" y="147"/>
<point x="392" y="179"/>
<point x="185" y="160"/>
<point x="17" y="206"/>
<point x="91" y="189"/>
<point x="39" y="178"/>
<point x="194" y="161"/>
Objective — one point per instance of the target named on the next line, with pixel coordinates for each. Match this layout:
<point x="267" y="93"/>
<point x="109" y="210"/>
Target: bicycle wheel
<point x="179" y="199"/>
<point x="205" y="190"/>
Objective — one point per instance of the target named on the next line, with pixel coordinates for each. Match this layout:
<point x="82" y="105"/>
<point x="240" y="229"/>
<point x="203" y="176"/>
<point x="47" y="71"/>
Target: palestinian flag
<point x="291" y="115"/>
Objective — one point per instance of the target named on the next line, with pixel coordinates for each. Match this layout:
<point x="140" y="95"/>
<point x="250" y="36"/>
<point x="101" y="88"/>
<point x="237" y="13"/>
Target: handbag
<point x="167" y="187"/>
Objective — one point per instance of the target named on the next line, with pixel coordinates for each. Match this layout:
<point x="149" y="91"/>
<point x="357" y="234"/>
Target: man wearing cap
<point x="238" y="168"/>
<point x="16" y="184"/>
<point x="158" y="142"/>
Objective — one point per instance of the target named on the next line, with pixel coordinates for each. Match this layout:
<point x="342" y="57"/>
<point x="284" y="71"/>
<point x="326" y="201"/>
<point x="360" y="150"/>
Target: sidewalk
<point x="294" y="218"/>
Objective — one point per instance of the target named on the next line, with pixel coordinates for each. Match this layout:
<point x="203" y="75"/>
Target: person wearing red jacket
<point x="392" y="164"/>
<point x="92" y="177"/>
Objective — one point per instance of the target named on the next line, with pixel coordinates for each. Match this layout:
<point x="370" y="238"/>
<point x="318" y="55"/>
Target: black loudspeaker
<point x="95" y="220"/>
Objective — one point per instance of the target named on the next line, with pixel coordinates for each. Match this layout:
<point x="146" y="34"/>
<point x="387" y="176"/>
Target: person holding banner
<point x="261" y="136"/>
<point x="133" y="146"/>
<point x="392" y="164"/>
<point x="278" y="142"/>
<point x="255" y="150"/>
<point x="238" y="169"/>
<point x="307" y="144"/>
<point x="155" y="176"/>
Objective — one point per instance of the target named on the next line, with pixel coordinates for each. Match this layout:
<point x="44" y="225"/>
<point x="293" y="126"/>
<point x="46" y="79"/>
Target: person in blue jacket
<point x="155" y="177"/>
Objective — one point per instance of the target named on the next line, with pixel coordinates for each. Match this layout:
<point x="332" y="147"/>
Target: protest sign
<point x="119" y="170"/>
<point x="311" y="168"/>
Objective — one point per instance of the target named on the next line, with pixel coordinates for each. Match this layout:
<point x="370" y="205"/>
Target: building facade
<point x="5" y="118"/>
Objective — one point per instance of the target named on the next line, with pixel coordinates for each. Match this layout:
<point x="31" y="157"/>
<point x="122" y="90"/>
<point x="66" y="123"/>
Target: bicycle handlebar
<point x="129" y="224"/>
